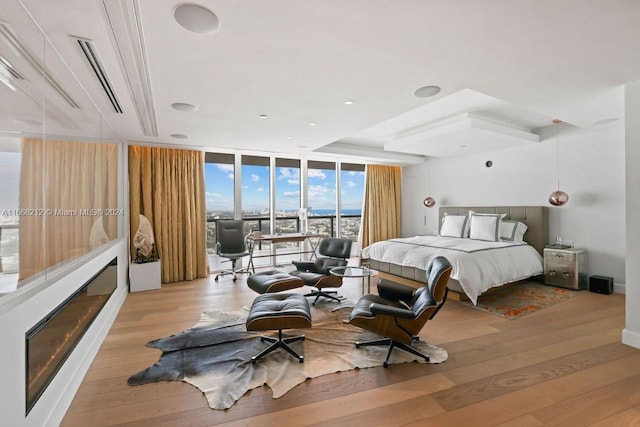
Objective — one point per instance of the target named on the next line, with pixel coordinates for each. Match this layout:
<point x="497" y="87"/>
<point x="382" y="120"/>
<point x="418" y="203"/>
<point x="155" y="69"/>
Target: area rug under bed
<point x="521" y="298"/>
<point x="215" y="355"/>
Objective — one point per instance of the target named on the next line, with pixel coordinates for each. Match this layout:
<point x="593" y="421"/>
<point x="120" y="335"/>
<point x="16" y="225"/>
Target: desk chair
<point x="231" y="244"/>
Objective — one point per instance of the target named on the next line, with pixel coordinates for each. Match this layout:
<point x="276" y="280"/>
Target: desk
<point x="282" y="238"/>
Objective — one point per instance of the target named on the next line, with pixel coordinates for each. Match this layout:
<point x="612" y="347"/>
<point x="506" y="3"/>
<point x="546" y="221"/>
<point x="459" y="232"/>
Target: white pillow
<point x="502" y="216"/>
<point x="513" y="231"/>
<point x="485" y="227"/>
<point x="453" y="225"/>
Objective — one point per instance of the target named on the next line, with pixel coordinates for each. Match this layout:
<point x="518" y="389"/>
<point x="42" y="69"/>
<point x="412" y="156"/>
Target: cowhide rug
<point x="215" y="355"/>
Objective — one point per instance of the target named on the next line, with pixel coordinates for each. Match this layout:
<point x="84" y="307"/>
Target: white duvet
<point x="477" y="265"/>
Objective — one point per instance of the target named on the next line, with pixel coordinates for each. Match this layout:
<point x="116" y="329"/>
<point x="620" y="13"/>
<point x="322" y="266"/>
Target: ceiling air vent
<point x="89" y="50"/>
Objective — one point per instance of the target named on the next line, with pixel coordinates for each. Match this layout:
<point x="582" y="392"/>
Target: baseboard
<point x="619" y="289"/>
<point x="631" y="338"/>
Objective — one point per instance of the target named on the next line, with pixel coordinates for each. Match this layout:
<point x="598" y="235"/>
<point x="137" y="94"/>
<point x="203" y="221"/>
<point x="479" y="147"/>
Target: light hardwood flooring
<point x="564" y="365"/>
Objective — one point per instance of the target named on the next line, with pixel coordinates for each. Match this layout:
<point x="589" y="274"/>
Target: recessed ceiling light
<point x="289" y="137"/>
<point x="28" y="122"/>
<point x="263" y="116"/>
<point x="179" y="136"/>
<point x="312" y="123"/>
<point x="183" y="106"/>
<point x="426" y="91"/>
<point x="196" y="18"/>
<point x="348" y="102"/>
<point x="605" y="121"/>
<point x="302" y="146"/>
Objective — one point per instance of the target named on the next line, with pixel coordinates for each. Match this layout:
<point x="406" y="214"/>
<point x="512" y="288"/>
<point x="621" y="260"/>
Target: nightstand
<point x="565" y="267"/>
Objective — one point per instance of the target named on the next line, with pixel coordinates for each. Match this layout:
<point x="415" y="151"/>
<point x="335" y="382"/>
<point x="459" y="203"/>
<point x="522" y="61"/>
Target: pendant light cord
<point x="558" y="152"/>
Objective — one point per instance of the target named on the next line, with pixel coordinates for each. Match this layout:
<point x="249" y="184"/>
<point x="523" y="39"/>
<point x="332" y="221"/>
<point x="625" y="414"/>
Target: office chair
<point x="231" y="244"/>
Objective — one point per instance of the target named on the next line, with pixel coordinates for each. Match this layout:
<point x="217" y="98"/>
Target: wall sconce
<point x="558" y="197"/>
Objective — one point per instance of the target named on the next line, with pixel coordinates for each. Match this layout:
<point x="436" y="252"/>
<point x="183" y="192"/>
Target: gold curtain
<point x="167" y="187"/>
<point x="67" y="189"/>
<point x="382" y="204"/>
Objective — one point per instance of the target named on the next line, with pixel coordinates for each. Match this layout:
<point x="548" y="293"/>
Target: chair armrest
<point x="404" y="313"/>
<point x="395" y="291"/>
<point x="305" y="266"/>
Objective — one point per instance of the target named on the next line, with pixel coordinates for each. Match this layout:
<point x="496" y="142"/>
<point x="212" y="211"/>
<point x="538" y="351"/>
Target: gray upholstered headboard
<point x="535" y="217"/>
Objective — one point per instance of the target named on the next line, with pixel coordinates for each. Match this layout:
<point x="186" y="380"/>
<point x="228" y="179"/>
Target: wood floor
<point x="563" y="365"/>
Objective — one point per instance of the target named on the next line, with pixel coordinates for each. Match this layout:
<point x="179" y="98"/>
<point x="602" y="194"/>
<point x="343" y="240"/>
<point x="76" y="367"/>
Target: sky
<point x="255" y="188"/>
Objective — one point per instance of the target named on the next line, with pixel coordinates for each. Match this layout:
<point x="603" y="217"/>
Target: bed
<point x="477" y="266"/>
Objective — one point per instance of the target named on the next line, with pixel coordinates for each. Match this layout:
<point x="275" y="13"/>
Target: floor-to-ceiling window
<point x="256" y="207"/>
<point x="321" y="191"/>
<point x="219" y="186"/>
<point x="256" y="202"/>
<point x="351" y="199"/>
<point x="269" y="189"/>
<point x="287" y="200"/>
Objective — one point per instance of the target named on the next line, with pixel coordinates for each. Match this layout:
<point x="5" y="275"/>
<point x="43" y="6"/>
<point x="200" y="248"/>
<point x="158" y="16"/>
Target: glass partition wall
<point x="59" y="160"/>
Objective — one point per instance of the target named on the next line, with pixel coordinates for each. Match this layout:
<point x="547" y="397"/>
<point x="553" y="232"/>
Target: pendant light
<point x="558" y="197"/>
<point x="429" y="201"/>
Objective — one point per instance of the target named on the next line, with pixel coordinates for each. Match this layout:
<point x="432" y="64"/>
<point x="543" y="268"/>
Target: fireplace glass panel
<point x="51" y="341"/>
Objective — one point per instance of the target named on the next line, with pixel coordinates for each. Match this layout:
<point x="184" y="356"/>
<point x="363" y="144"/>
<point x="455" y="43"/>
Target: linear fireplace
<point x="52" y="339"/>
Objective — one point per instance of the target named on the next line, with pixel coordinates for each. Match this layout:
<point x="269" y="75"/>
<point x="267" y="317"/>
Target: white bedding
<point x="477" y="265"/>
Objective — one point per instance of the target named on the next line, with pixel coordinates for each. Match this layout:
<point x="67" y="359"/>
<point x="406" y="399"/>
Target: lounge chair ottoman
<point x="273" y="281"/>
<point x="277" y="312"/>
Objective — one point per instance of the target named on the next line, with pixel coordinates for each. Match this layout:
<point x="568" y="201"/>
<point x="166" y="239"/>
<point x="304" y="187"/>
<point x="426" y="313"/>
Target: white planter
<point x="144" y="277"/>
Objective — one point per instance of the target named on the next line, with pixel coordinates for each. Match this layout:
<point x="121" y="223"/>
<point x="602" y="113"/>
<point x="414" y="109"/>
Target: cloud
<point x="227" y="168"/>
<point x="214" y="195"/>
<point x="293" y="181"/>
<point x="317" y="191"/>
<point x="316" y="173"/>
<point x="350" y="184"/>
<point x="292" y="194"/>
<point x="259" y="189"/>
<point x="290" y="173"/>
<point x="255" y="178"/>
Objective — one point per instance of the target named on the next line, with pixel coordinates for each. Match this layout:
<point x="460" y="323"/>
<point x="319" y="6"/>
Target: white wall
<point x="17" y="320"/>
<point x="592" y="173"/>
<point x="631" y="333"/>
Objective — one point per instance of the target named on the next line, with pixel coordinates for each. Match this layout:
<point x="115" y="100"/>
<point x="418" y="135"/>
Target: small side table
<point x="348" y="271"/>
<point x="565" y="267"/>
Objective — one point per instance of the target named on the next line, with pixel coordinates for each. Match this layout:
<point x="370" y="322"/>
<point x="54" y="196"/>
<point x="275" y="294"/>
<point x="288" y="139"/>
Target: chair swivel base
<point x="327" y="294"/>
<point x="234" y="273"/>
<point x="279" y="343"/>
<point x="392" y="344"/>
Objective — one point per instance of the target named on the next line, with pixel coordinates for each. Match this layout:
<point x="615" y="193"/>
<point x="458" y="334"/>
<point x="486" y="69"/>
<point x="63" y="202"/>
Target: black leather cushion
<point x="273" y="281"/>
<point x="335" y="248"/>
<point x="436" y="267"/>
<point x="363" y="306"/>
<point x="279" y="311"/>
<point x="396" y="291"/>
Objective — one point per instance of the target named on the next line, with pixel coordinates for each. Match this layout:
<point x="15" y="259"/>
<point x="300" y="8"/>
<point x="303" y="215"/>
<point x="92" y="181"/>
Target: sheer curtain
<point x="69" y="200"/>
<point x="167" y="187"/>
<point x="382" y="204"/>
